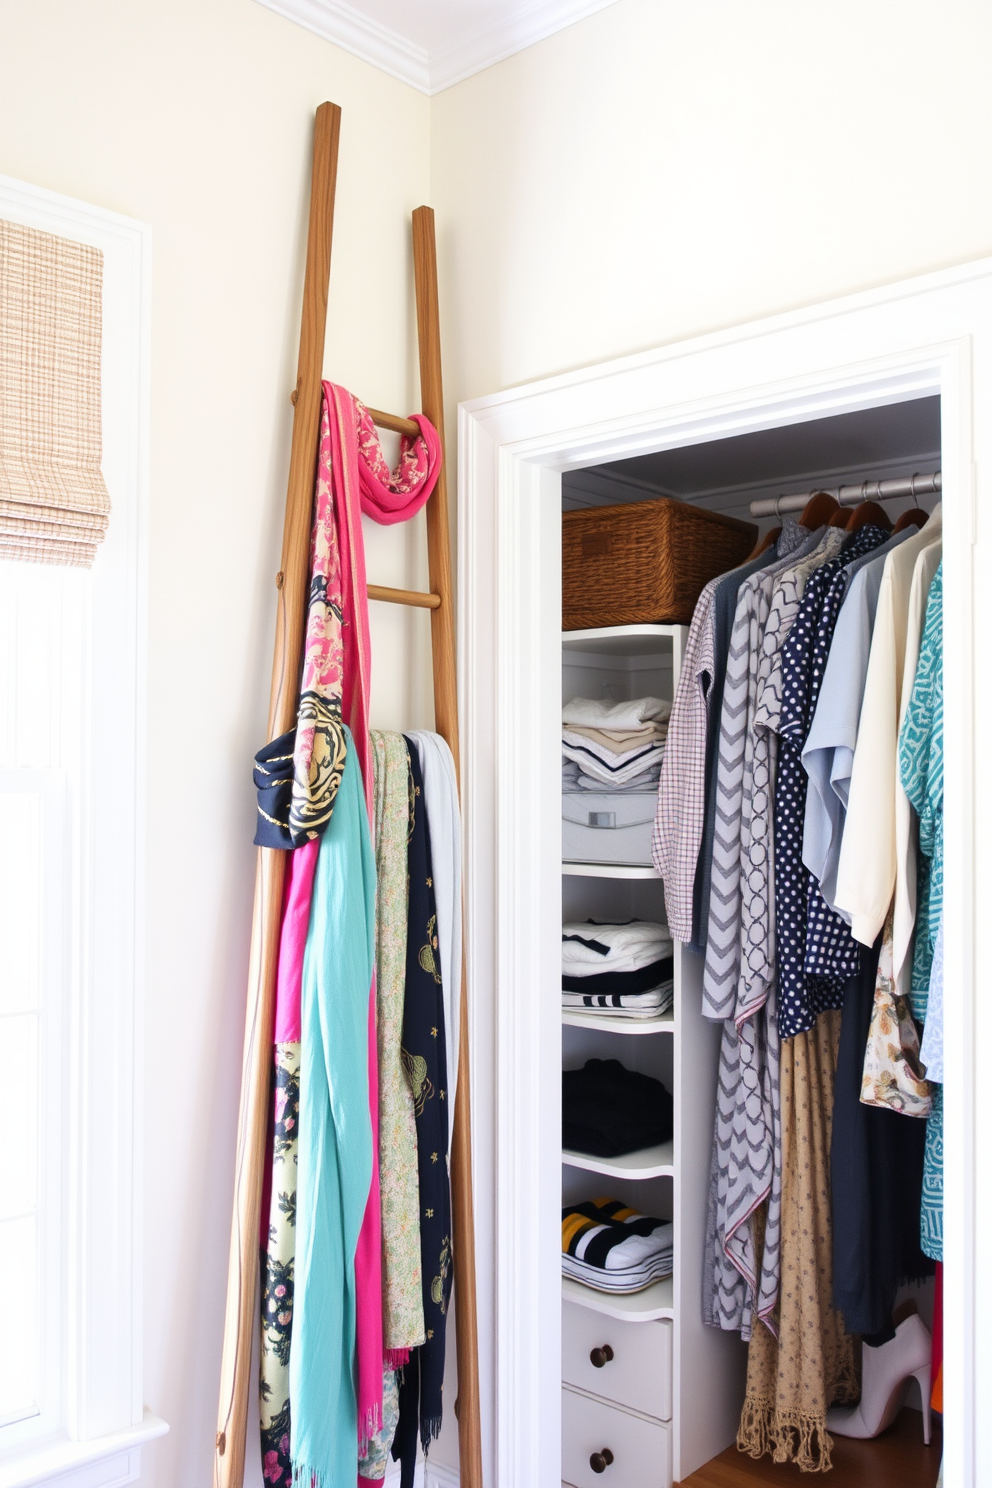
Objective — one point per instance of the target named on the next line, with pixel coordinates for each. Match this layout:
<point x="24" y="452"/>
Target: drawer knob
<point x="600" y="1461"/>
<point x="601" y="1356"/>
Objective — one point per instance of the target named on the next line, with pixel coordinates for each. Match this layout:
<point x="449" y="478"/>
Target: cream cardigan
<point x="869" y="854"/>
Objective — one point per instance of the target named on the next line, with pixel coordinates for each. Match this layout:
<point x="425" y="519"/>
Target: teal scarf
<point x="335" y="1154"/>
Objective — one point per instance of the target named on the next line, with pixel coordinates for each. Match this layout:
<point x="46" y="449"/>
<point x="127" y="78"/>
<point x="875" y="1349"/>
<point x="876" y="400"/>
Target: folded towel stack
<point x="612" y="1248"/>
<point x="613" y="746"/>
<point x="626" y="970"/>
<point x="608" y="1110"/>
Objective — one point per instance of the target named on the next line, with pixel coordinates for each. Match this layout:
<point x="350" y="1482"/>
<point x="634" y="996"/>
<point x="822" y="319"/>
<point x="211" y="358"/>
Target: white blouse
<point x="866" y="872"/>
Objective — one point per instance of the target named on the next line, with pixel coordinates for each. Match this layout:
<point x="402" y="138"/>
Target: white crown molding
<point x="347" y="28"/>
<point x="476" y="50"/>
<point x="432" y="71"/>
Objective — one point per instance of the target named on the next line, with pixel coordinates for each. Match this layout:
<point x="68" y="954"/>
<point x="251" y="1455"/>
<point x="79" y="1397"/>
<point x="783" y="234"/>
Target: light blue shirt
<point x="828" y="755"/>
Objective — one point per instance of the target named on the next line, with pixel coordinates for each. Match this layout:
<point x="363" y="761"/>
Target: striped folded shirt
<point x="613" y="758"/>
<point x="602" y="765"/>
<point x="624" y="1004"/>
<point x="633" y="1280"/>
<point x="611" y="1237"/>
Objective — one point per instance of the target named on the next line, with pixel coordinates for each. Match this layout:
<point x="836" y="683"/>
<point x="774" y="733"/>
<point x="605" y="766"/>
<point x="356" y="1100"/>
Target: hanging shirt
<point x="904" y="908"/>
<point x="793" y="541"/>
<point x="833" y="734"/>
<point x="678" y="824"/>
<point x="803" y="995"/>
<point x="921" y="766"/>
<point x="757" y="854"/>
<point x="866" y="873"/>
<point x="723" y="928"/>
<point x="932" y="1047"/>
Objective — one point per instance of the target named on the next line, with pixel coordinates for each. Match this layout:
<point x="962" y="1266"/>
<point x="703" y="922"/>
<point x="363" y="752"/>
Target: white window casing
<point x="89" y="792"/>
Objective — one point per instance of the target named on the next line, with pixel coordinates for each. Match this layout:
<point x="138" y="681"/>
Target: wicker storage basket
<point x="644" y="562"/>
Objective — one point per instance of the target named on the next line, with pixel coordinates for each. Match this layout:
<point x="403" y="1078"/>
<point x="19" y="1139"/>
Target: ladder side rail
<point x="292" y="584"/>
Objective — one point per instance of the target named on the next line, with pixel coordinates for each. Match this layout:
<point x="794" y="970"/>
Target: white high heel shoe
<point x="884" y="1371"/>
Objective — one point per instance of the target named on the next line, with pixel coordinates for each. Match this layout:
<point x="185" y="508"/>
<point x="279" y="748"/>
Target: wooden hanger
<point x="869" y="512"/>
<point x="842" y="517"/>
<point x="917" y="517"/>
<point x="819" y="510"/>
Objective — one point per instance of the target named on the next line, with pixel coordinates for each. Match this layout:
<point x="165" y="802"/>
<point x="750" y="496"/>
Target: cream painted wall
<point x="195" y="116"/>
<point x="667" y="167"/>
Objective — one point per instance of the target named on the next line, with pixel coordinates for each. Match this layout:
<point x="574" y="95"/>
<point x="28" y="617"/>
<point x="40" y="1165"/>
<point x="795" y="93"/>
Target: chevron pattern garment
<point x="746" y="1164"/>
<point x="792" y="539"/>
<point x="723" y="925"/>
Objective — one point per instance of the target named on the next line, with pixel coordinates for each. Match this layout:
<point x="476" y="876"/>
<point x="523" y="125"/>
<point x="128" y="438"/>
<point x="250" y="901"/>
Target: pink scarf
<point x="352" y="477"/>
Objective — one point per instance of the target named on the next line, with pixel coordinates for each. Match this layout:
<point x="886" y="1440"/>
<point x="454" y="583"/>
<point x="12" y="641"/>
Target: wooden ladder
<point x="292" y="586"/>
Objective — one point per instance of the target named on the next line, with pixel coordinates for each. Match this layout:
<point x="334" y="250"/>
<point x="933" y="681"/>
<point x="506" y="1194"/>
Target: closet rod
<point x="412" y="597"/>
<point x="885" y="490"/>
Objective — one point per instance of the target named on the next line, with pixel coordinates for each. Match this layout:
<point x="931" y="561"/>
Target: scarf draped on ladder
<point x="299" y="777"/>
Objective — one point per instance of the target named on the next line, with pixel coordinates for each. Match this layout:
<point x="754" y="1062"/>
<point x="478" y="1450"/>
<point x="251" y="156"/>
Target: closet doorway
<point x="919" y="354"/>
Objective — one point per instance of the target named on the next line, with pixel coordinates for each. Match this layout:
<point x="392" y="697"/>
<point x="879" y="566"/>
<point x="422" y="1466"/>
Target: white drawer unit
<point x="630" y="1363"/>
<point x="603" y="1445"/>
<point x="649" y="1391"/>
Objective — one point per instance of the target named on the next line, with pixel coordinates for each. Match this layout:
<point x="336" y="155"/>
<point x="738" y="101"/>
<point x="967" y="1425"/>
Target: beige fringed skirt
<point x="793" y="1379"/>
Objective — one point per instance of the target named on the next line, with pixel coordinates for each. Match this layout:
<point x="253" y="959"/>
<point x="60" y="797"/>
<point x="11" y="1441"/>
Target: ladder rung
<point x="395" y="423"/>
<point x="405" y="596"/>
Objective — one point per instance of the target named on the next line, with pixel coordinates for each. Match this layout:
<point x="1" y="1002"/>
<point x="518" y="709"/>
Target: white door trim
<point x="927" y="335"/>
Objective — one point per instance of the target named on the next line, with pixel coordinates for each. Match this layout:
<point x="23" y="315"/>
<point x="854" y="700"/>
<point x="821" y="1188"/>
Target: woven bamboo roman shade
<point x="54" y="505"/>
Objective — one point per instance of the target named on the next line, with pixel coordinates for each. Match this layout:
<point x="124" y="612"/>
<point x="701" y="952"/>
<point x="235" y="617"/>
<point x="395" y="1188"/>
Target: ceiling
<point x="869" y="438"/>
<point x="432" y="44"/>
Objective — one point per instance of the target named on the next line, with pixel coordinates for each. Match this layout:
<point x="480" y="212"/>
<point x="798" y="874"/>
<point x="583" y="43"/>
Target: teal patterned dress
<point x="921" y="767"/>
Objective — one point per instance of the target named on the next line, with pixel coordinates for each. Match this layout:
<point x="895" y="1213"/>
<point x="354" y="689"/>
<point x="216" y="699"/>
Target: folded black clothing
<point x="608" y="1110"/>
<point x="641" y="980"/>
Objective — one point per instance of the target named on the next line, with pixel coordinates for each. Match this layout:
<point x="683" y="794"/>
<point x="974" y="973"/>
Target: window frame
<point x="103" y="1419"/>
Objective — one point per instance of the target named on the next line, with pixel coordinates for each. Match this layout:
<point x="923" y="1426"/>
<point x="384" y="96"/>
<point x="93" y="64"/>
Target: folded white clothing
<point x="642" y="785"/>
<point x="602" y="713"/>
<point x="592" y="764"/>
<point x="588" y="948"/>
<point x="580" y="746"/>
<point x="634" y="1280"/>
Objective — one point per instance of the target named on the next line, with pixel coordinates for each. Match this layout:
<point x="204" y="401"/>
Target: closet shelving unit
<point x="649" y="1393"/>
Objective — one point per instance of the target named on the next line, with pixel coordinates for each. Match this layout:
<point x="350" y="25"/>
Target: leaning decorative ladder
<point x="292" y="582"/>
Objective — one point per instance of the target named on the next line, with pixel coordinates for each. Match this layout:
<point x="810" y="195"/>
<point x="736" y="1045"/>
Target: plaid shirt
<point x="678" y="823"/>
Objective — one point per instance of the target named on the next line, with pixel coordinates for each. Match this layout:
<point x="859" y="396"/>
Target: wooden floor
<point x="897" y="1459"/>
